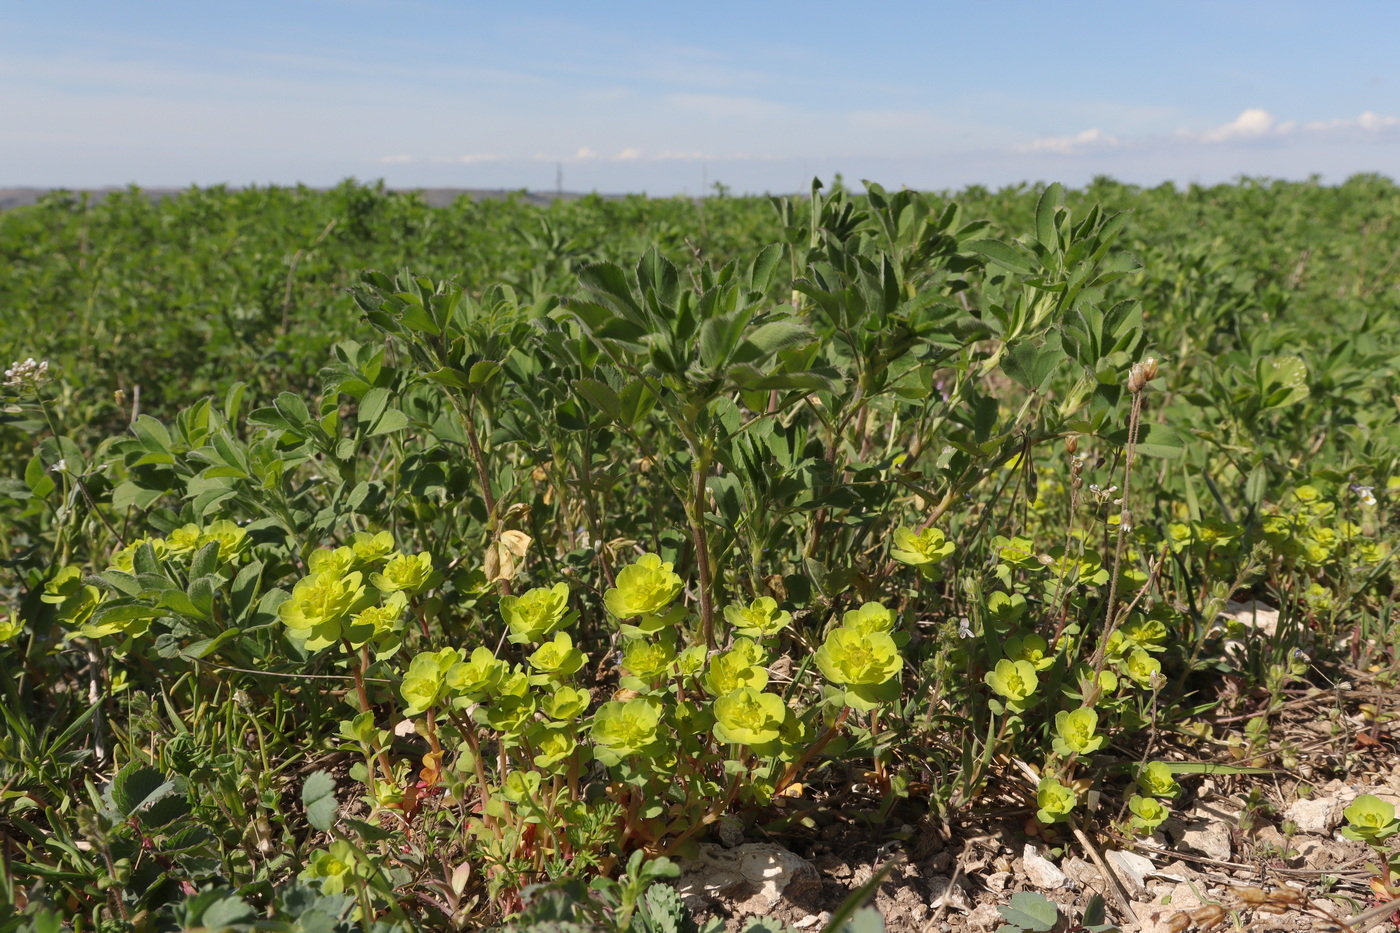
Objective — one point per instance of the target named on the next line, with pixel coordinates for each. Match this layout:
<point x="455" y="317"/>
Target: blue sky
<point x="670" y="98"/>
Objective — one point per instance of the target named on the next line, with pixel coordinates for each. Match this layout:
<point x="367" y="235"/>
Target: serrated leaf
<point x="136" y="786"/>
<point x="318" y="797"/>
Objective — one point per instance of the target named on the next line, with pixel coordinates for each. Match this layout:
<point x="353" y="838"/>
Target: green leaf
<point x="601" y="396"/>
<point x="136" y="786"/>
<point x="1031" y="911"/>
<point x="1032" y="365"/>
<point x="1008" y="257"/>
<point x="318" y="797"/>
<point x="1051" y="198"/>
<point x="1154" y="440"/>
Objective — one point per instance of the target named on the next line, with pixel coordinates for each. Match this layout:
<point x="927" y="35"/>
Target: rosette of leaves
<point x="1076" y="732"/>
<point x="645" y="587"/>
<point x="759" y="619"/>
<point x="750" y="717"/>
<point x="922" y="550"/>
<point x="865" y="664"/>
<point x="537" y="614"/>
<point x="628" y="729"/>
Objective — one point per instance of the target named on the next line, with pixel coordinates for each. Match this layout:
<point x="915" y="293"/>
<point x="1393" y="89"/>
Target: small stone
<point x="1083" y="873"/>
<point x="946" y="894"/>
<point x="997" y="881"/>
<point x="760" y="870"/>
<point x="1319" y="815"/>
<point x="984" y="918"/>
<point x="1208" y="837"/>
<point x="1132" y="869"/>
<point x="1040" y="871"/>
<point x="731" y="831"/>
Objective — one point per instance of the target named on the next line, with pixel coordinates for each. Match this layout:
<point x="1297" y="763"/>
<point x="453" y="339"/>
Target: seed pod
<point x="1141" y="374"/>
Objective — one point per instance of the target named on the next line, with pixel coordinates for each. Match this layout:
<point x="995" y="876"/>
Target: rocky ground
<point x="1259" y="852"/>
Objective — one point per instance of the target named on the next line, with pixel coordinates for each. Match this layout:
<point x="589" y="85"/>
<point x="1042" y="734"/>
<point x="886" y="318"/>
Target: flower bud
<point x="1141" y="374"/>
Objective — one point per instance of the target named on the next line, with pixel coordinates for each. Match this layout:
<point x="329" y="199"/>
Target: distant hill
<point x="437" y="197"/>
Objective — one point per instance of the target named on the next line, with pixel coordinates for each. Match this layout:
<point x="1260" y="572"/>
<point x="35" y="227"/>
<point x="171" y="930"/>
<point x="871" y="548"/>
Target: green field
<point x="368" y="563"/>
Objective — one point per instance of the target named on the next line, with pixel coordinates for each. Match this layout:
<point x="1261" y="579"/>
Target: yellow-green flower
<point x="1031" y="647"/>
<point x="370" y="548"/>
<point x="425" y="682"/>
<point x="749" y="717"/>
<point x="731" y="670"/>
<point x="1055" y="799"/>
<point x="482" y="674"/>
<point x="1142" y="667"/>
<point x="1148" y="813"/>
<point x="319" y="607"/>
<point x="335" y="561"/>
<point x="1075" y="732"/>
<point x="565" y="703"/>
<point x="759" y="619"/>
<point x="557" y="659"/>
<point x="336" y="868"/>
<point x="1015" y="681"/>
<point x="1006" y="607"/>
<point x="538" y="613"/>
<point x="1370" y="820"/>
<point x="232" y="540"/>
<point x="124" y="559"/>
<point x="554" y="743"/>
<point x="646" y="586"/>
<point x="9" y="628"/>
<point x="622" y="730"/>
<point x="648" y="659"/>
<point x="870" y="617"/>
<point x="183" y="540"/>
<point x="411" y="573"/>
<point x="1156" y="779"/>
<point x="865" y="663"/>
<point x="378" y="624"/>
<point x="922" y="549"/>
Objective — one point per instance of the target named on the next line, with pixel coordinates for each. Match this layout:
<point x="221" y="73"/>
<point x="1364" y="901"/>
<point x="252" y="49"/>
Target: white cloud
<point x="1367" y="121"/>
<point x="474" y="159"/>
<point x="1251" y="124"/>
<point x="1080" y="142"/>
<point x="628" y="154"/>
<point x="585" y="153"/>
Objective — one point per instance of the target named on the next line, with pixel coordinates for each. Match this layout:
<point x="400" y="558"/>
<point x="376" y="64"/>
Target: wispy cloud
<point x="472" y="159"/>
<point x="1253" y="124"/>
<point x="1080" y="142"/>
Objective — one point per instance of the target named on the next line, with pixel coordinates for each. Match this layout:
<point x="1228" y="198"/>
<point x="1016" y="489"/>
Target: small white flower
<point x="964" y="627"/>
<point x="30" y="371"/>
<point x="59" y="467"/>
<point x="1367" y="494"/>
